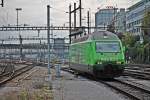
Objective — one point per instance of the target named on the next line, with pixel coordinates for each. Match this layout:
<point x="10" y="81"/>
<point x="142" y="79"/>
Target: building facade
<point x="134" y="17"/>
<point x="120" y="21"/>
<point x="104" y="17"/>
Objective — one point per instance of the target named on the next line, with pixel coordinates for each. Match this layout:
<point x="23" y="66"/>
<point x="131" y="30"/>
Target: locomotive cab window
<point x="107" y="47"/>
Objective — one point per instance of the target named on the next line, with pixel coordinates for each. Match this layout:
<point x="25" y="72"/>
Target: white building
<point x="134" y="17"/>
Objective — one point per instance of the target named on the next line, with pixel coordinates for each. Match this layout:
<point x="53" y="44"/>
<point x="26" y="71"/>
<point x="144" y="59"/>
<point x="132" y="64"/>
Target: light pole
<point x="21" y="56"/>
<point x="48" y="43"/>
<point x="18" y="9"/>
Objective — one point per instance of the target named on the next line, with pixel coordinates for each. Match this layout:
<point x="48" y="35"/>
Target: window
<point x="107" y="47"/>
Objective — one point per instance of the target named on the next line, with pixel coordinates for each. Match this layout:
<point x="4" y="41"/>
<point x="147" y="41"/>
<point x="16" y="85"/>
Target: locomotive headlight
<point x="99" y="62"/>
<point x="118" y="62"/>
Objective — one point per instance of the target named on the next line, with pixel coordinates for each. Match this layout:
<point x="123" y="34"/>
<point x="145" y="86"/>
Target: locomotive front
<point x="109" y="58"/>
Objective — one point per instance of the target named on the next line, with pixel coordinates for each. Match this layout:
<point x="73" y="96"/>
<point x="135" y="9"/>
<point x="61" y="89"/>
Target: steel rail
<point x="15" y="74"/>
<point x="130" y="90"/>
<point x="137" y="75"/>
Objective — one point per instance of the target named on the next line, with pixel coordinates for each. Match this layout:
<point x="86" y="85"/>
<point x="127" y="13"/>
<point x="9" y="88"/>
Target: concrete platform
<point x="70" y="88"/>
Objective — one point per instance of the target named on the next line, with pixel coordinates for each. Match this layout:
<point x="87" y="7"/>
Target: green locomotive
<point x="100" y="54"/>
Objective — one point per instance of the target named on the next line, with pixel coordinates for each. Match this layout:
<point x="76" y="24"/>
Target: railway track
<point x="138" y="74"/>
<point x="132" y="91"/>
<point x="11" y="75"/>
<point x="129" y="89"/>
<point x="139" y="65"/>
<point x="3" y="68"/>
<point x="6" y="69"/>
<point x="137" y="71"/>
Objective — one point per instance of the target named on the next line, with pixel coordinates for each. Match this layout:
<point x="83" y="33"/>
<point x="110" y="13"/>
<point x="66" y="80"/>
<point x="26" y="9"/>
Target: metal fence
<point x="138" y="55"/>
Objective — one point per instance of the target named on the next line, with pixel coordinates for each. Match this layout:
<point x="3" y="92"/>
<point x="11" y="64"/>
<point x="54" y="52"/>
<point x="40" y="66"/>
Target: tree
<point x="146" y="23"/>
<point x="129" y="40"/>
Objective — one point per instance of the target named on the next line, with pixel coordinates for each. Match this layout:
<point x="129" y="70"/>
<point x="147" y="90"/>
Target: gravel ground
<point x="31" y="85"/>
<point x="70" y="88"/>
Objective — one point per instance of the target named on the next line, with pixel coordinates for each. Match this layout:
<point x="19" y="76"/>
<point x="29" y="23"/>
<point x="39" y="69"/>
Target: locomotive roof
<point x="103" y="35"/>
<point x="98" y="35"/>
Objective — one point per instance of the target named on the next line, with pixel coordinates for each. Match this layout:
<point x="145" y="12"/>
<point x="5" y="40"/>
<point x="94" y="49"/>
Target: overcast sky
<point x="34" y="11"/>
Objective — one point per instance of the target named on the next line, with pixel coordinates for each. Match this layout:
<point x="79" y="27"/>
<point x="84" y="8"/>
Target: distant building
<point x="59" y="44"/>
<point x="120" y="21"/>
<point x="134" y="17"/>
<point x="104" y="17"/>
<point x="61" y="48"/>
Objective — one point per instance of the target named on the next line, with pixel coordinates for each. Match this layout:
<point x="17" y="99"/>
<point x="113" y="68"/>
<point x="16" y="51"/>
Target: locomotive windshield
<point x="107" y="47"/>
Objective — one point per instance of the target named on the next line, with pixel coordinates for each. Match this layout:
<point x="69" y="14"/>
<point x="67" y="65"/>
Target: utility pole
<point x="52" y="44"/>
<point x="18" y="9"/>
<point x="2" y="41"/>
<point x="70" y="23"/>
<point x="38" y="33"/>
<point x="80" y="17"/>
<point x="20" y="39"/>
<point x="2" y="3"/>
<point x="90" y="18"/>
<point x="48" y="43"/>
<point x="75" y="15"/>
<point x="88" y="21"/>
<point x="40" y="51"/>
<point x="80" y="7"/>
